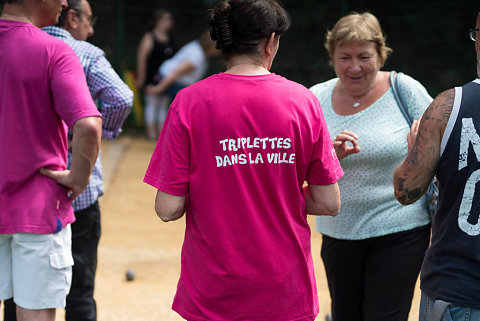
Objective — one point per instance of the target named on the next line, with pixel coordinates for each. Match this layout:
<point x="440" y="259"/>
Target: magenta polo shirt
<point x="240" y="149"/>
<point x="43" y="90"/>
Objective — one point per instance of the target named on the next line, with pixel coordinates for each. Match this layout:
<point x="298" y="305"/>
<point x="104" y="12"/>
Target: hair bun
<point x="220" y="29"/>
<point x="240" y="26"/>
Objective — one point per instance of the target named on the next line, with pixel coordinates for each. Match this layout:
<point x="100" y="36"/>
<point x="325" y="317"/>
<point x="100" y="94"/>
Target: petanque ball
<point x="130" y="274"/>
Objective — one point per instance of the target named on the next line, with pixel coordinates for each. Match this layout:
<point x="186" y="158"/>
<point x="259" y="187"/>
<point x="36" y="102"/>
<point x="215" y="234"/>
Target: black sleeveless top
<point x="451" y="269"/>
<point x="161" y="51"/>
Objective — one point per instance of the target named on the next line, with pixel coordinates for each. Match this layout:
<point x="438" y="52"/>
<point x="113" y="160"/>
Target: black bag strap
<point x="396" y="93"/>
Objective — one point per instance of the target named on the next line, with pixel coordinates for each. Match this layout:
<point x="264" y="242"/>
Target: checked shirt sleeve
<point x="113" y="94"/>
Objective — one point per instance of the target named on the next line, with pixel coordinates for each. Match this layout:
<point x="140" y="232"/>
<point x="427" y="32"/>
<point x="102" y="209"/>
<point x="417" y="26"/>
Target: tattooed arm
<point x="412" y="176"/>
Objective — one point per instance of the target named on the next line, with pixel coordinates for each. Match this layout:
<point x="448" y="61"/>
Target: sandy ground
<point x="134" y="238"/>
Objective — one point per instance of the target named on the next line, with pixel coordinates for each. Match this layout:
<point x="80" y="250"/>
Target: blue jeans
<point x="450" y="312"/>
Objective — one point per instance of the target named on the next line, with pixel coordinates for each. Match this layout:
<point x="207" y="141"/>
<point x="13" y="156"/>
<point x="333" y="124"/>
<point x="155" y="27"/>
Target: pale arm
<point x="87" y="133"/>
<point x="184" y="68"/>
<point x="412" y="177"/>
<point x="322" y="199"/>
<point x="144" y="49"/>
<point x="169" y="207"/>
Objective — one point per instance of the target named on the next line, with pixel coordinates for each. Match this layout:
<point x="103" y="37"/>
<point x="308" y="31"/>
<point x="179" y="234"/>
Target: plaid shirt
<point x="112" y="95"/>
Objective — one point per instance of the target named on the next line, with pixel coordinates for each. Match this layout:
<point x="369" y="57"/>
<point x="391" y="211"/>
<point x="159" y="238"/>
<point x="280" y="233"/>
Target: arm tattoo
<point x="441" y="107"/>
<point x="412" y="157"/>
<point x="407" y="196"/>
<point x="421" y="161"/>
<point x="448" y="104"/>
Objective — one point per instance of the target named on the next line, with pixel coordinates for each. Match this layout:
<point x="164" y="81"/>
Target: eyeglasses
<point x="472" y="33"/>
<point x="91" y="19"/>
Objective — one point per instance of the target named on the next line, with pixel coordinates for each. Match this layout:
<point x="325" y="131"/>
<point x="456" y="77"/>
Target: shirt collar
<point x="58" y="32"/>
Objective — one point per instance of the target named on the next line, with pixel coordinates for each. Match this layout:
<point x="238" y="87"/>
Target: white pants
<point x="156" y="107"/>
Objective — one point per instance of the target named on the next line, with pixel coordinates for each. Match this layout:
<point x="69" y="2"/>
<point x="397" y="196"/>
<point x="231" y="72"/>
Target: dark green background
<point x="429" y="38"/>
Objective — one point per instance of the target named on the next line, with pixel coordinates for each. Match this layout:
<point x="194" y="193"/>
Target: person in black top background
<point x="155" y="47"/>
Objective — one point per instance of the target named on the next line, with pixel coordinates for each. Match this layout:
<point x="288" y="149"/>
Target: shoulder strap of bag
<point x="396" y="93"/>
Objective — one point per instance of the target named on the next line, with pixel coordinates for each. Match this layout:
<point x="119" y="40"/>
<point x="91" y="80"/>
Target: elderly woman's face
<point x="356" y="64"/>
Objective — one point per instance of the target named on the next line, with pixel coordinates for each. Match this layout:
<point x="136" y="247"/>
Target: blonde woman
<point x="373" y="250"/>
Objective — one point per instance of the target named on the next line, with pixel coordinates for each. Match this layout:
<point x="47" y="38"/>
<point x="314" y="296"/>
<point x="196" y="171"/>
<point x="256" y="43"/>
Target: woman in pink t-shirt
<point x="234" y="153"/>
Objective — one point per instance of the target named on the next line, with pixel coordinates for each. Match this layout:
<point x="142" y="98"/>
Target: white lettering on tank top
<point x="468" y="135"/>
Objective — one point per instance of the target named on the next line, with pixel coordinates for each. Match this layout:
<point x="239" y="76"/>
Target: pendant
<point x="356" y="104"/>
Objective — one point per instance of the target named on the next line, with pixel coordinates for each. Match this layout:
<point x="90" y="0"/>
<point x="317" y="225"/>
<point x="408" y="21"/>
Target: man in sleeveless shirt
<point x="447" y="145"/>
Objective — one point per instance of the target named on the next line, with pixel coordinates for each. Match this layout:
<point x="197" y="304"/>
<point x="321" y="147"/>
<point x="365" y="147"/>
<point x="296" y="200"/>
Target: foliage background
<point x="428" y="37"/>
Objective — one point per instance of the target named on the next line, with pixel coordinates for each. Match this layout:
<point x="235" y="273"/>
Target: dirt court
<point x="134" y="238"/>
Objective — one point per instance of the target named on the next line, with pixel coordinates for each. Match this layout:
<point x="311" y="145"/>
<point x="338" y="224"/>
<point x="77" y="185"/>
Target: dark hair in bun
<point x="238" y="26"/>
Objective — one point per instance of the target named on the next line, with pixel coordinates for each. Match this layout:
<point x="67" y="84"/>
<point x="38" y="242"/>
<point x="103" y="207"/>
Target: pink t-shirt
<point x="42" y="87"/>
<point x="240" y="149"/>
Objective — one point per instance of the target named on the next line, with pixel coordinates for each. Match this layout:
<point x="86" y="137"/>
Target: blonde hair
<point x="358" y="27"/>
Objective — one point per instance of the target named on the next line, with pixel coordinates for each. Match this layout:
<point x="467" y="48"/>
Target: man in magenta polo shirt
<point x="43" y="91"/>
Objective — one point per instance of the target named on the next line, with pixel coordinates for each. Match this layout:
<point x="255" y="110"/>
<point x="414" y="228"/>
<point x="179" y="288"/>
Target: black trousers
<point x="86" y="232"/>
<point x="9" y="311"/>
<point x="374" y="279"/>
<point x="85" y="237"/>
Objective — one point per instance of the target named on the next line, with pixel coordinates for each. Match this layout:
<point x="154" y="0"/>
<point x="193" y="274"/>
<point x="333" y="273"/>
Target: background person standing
<point x="155" y="47"/>
<point x="115" y="99"/>
<point x="186" y="67"/>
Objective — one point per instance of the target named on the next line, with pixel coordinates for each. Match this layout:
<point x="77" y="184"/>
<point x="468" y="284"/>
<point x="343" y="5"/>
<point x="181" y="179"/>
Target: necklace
<point x="357" y="103"/>
<point x="16" y="16"/>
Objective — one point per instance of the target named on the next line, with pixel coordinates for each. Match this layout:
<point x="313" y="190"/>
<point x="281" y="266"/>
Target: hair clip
<point x="220" y="32"/>
<point x="223" y="31"/>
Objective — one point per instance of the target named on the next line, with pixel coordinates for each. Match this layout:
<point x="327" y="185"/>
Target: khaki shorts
<point x="36" y="269"/>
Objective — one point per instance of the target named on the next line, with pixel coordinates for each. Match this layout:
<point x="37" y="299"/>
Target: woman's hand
<point x="155" y="89"/>
<point x="342" y="148"/>
<point x="412" y="134"/>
